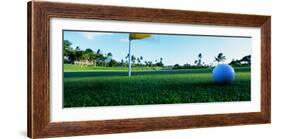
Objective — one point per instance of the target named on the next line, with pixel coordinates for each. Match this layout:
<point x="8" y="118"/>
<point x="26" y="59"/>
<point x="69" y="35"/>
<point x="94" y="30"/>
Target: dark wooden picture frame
<point x="39" y="15"/>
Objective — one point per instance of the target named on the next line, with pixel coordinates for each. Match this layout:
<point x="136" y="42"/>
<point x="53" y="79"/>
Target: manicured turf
<point x="113" y="88"/>
<point x="79" y="68"/>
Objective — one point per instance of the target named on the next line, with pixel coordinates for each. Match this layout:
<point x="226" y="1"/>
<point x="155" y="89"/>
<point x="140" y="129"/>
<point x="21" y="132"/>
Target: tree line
<point x="97" y="58"/>
<point x="198" y="63"/>
<point x="90" y="57"/>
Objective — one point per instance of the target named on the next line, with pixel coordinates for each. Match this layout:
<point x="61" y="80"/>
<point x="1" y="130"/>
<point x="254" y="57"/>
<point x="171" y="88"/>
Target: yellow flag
<point x="135" y="36"/>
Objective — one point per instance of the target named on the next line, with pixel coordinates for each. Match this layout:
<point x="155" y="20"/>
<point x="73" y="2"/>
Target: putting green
<point x="114" y="87"/>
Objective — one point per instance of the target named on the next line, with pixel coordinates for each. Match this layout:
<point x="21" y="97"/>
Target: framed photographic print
<point x="95" y="69"/>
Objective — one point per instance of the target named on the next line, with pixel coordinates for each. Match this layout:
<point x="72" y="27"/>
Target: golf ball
<point x="223" y="73"/>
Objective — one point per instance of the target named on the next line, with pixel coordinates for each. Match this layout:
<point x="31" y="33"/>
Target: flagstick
<point x="130" y="68"/>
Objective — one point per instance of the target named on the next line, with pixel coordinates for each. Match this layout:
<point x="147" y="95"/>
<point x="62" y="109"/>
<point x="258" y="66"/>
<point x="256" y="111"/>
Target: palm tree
<point x="246" y="59"/>
<point x="109" y="56"/>
<point x="149" y="63"/>
<point x="68" y="52"/>
<point x="99" y="56"/>
<point x="139" y="61"/>
<point x="122" y="62"/>
<point x="133" y="58"/>
<point x="98" y="51"/>
<point x="195" y="62"/>
<point x="77" y="48"/>
<point x="88" y="50"/>
<point x="199" y="59"/>
<point x="220" y="58"/>
<point x="127" y="56"/>
<point x="146" y="63"/>
<point x="67" y="47"/>
<point x="161" y="62"/>
<point x="134" y="36"/>
<point x="78" y="53"/>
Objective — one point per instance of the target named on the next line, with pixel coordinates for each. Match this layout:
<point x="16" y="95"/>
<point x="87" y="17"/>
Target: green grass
<point x="114" y="88"/>
<point x="79" y="68"/>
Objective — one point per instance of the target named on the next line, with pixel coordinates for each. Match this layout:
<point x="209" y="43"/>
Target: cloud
<point x="92" y="35"/>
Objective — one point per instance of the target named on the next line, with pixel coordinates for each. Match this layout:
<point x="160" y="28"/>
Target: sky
<point x="174" y="49"/>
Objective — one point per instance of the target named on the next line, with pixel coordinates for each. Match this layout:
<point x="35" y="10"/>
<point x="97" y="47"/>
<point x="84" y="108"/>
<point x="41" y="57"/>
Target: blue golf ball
<point x="223" y="73"/>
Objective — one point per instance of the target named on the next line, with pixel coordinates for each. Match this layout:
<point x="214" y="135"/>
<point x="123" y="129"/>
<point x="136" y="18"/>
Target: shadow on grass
<point x="134" y="73"/>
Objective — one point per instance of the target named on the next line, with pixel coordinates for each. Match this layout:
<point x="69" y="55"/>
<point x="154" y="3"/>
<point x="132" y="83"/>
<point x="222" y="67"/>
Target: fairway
<point x="113" y="87"/>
